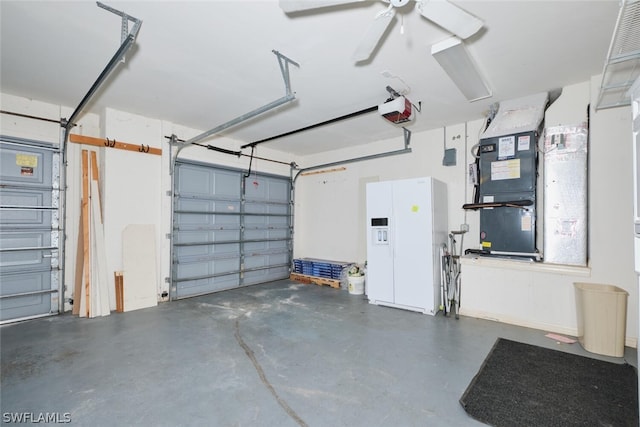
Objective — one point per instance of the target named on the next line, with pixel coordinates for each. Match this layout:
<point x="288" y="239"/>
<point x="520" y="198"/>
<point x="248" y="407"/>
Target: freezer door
<point x="379" y="284"/>
<point x="635" y="110"/>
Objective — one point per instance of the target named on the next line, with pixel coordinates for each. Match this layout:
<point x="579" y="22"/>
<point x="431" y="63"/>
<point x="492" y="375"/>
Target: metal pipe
<point x="227" y="213"/>
<point x="29" y="208"/>
<point x="27" y="294"/>
<point x="115" y="60"/>
<point x="357" y="159"/>
<point x="406" y="150"/>
<point x="242" y="118"/>
<point x="235" y="153"/>
<point x="326" y="122"/>
<point x="27" y="187"/>
<point x="31" y="248"/>
<point x="226" y="242"/>
<point x="27" y="116"/>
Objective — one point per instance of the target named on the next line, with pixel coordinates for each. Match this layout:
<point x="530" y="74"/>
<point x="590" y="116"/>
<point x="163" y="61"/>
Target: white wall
<point x="330" y="216"/>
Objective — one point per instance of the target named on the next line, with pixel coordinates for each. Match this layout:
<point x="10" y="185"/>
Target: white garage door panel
<point x="265" y="275"/>
<point x="191" y="288"/>
<point x="35" y="298"/>
<point x="226" y="235"/>
<point x="34" y="259"/>
<point x="29" y="229"/>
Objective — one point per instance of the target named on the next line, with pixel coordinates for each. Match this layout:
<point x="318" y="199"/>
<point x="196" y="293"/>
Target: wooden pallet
<point x="322" y="281"/>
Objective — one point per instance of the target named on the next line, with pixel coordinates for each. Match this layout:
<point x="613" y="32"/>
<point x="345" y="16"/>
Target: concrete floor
<point x="280" y="354"/>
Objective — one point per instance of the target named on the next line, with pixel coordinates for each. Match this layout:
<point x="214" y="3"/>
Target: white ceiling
<point x="202" y="64"/>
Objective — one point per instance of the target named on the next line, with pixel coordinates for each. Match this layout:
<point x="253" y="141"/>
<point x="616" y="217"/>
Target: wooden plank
<point x="322" y="281"/>
<point x="300" y="278"/>
<point x="95" y="176"/>
<point x="112" y="143"/>
<point x="340" y="169"/>
<point x="119" y="279"/>
<point x="85" y="236"/>
<point x="121" y="292"/>
<point x="77" y="286"/>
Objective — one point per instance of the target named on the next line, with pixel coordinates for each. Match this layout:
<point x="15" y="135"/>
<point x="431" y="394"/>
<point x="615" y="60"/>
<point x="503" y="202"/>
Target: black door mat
<point x="525" y="385"/>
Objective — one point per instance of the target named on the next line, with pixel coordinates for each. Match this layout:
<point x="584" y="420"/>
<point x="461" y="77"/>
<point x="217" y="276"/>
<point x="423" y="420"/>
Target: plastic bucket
<point x="356" y="285"/>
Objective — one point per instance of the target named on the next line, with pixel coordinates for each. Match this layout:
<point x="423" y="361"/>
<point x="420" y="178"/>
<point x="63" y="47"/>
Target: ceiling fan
<point x="441" y="12"/>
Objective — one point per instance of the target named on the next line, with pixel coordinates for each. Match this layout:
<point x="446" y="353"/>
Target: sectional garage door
<point x="29" y="229"/>
<point x="228" y="230"/>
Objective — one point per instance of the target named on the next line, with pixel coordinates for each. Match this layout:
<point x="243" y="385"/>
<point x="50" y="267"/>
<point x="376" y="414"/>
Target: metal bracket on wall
<point x="127" y="42"/>
<point x="124" y="27"/>
<point x="407" y="137"/>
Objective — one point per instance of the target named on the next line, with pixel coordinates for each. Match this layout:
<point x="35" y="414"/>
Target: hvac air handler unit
<point x="406" y="227"/>
<point x="508" y="180"/>
<point x="507" y="161"/>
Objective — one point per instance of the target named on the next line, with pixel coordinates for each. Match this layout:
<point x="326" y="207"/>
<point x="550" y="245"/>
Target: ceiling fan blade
<point x="450" y="17"/>
<point x="374" y="34"/>
<point x="300" y="5"/>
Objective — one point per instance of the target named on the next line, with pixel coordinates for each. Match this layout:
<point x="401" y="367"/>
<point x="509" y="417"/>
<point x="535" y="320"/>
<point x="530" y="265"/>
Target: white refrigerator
<point x="635" y="111"/>
<point x="407" y="225"/>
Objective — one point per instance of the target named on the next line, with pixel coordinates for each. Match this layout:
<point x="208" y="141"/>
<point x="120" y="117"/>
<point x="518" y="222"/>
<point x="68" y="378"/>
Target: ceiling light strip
<point x="454" y="59"/>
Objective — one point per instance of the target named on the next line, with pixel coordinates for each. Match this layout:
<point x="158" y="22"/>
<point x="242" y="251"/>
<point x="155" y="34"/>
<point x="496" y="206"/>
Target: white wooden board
<point x="139" y="262"/>
<point x="99" y="277"/>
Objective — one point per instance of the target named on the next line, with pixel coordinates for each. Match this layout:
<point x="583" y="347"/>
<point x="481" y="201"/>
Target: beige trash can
<point x="602" y="318"/>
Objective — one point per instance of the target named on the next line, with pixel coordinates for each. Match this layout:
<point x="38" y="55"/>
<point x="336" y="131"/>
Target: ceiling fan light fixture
<point x="454" y="59"/>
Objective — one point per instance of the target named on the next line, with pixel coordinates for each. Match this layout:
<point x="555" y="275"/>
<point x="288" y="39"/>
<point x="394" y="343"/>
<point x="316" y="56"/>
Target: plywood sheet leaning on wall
<point x="140" y="270"/>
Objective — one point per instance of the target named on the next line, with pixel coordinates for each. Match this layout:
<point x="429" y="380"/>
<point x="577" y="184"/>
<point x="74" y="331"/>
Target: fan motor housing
<point x="399" y="3"/>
